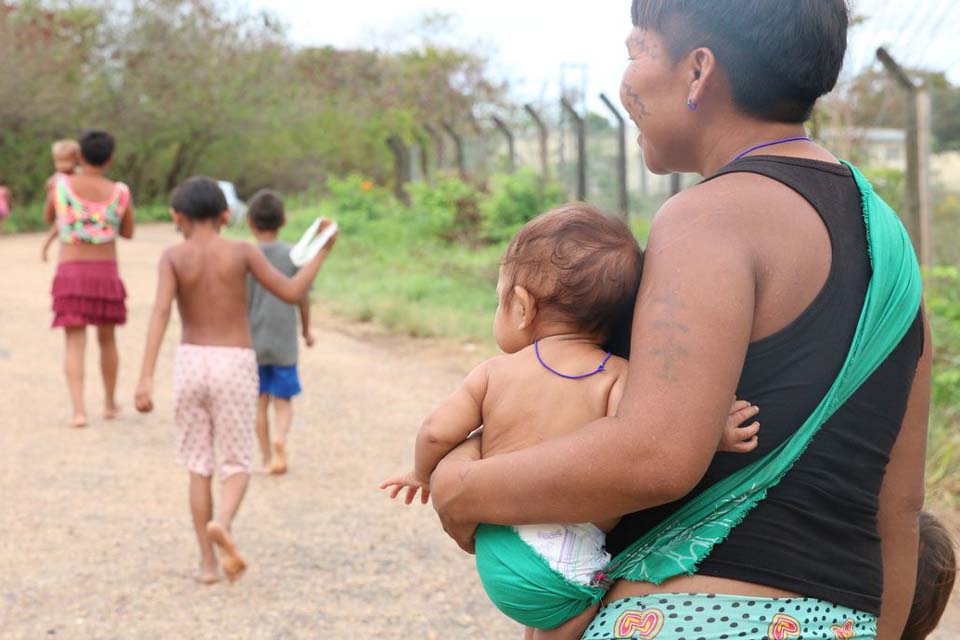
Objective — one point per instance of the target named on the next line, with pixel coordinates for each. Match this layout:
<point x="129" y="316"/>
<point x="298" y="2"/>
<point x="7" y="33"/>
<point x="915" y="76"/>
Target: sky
<point x="535" y="42"/>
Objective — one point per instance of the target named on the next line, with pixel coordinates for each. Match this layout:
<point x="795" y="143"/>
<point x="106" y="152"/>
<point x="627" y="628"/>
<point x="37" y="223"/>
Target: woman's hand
<point x="444" y="484"/>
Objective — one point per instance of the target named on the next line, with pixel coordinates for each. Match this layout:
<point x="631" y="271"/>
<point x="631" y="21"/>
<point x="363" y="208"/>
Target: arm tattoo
<point x="635" y="101"/>
<point x="672" y="332"/>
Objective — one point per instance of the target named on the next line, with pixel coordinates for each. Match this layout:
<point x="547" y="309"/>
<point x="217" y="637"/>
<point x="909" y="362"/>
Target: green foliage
<point x="447" y="209"/>
<point x="890" y="184"/>
<point x="943" y="450"/>
<point x="515" y="199"/>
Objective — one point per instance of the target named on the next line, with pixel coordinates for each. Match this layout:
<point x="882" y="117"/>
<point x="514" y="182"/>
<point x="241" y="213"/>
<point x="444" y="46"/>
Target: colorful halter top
<point x="82" y="221"/>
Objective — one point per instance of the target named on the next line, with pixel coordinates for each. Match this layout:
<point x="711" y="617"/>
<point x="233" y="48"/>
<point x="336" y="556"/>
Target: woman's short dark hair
<point x="199" y="198"/>
<point x="266" y="211"/>
<point x="780" y="56"/>
<point x="936" y="572"/>
<point x="96" y="147"/>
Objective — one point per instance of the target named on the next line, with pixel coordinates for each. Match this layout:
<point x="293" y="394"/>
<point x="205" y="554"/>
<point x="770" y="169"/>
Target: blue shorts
<point x="279" y="382"/>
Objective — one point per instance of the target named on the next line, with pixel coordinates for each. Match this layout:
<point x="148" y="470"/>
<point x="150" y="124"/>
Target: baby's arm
<point x="442" y="432"/>
<point x="166" y="290"/>
<point x="49" y="241"/>
<point x="291" y="290"/>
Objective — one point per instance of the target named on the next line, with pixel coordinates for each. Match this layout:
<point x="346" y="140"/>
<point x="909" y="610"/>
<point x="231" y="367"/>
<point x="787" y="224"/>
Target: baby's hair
<point x="199" y="198"/>
<point x="266" y="211"/>
<point x="936" y="572"/>
<point x="581" y="266"/>
<point x="62" y="149"/>
<point x="97" y="147"/>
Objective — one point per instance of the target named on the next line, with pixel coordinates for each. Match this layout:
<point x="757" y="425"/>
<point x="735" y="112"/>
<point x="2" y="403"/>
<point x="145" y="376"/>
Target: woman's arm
<point x="691" y="331"/>
<point x="901" y="499"/>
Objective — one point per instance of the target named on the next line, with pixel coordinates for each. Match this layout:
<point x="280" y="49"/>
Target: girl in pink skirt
<point x="4" y="206"/>
<point x="90" y="212"/>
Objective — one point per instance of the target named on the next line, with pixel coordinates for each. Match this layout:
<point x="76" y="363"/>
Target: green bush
<point x="515" y="199"/>
<point x="355" y="200"/>
<point x="943" y="451"/>
<point x="447" y="209"/>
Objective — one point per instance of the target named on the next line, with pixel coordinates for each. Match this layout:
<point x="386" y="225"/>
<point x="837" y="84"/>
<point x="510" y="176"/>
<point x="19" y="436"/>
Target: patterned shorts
<point x="216" y="408"/>
<point x="679" y="616"/>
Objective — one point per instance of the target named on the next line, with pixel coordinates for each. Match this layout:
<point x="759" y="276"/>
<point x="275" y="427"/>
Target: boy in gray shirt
<point x="273" y="324"/>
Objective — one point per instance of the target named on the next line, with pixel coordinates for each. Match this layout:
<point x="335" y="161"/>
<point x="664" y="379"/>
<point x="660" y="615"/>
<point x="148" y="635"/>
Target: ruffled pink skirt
<point x="88" y="292"/>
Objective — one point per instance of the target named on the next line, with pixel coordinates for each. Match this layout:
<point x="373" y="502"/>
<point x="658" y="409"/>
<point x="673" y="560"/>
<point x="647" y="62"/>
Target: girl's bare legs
<point x="231" y="495"/>
<point x="282" y="418"/>
<point x="263" y="428"/>
<point x="76" y="345"/>
<point x="201" y="508"/>
<point x="109" y="366"/>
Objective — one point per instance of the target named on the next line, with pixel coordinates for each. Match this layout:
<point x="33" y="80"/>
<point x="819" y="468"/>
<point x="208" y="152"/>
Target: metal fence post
<point x="581" y="148"/>
<point x="544" y="141"/>
<point x="511" y="152"/>
<point x="458" y="148"/>
<point x="401" y="168"/>
<point x="621" y="158"/>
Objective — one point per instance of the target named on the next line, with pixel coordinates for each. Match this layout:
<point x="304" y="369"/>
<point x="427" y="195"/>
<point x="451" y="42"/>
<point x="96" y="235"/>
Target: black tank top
<point x="816" y="532"/>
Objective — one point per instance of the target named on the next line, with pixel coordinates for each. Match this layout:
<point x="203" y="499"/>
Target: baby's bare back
<point x="526" y="404"/>
<point x="212" y="292"/>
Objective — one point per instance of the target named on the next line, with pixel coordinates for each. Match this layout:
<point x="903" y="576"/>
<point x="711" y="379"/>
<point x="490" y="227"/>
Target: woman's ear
<point x="703" y="70"/>
<point x="526" y="307"/>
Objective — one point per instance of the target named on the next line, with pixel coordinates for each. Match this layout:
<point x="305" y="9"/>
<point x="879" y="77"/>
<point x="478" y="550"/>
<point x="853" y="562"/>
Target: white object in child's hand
<point x="311" y="244"/>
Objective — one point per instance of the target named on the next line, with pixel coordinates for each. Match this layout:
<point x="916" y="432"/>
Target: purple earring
<point x="693" y="106"/>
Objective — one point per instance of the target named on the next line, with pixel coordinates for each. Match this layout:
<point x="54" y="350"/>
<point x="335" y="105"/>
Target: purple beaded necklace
<point x="770" y="144"/>
<point x="600" y="369"/>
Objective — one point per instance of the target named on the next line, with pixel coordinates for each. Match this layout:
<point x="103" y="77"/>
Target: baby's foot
<point x="111" y="412"/>
<point x="79" y="421"/>
<point x="279" y="465"/>
<point x="231" y="561"/>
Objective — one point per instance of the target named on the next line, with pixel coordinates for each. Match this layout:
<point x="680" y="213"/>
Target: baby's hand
<point x="144" y="397"/>
<point x="412" y="484"/>
<point x="736" y="438"/>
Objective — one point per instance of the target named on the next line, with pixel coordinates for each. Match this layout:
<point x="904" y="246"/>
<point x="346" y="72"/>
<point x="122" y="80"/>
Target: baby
<point x="66" y="160"/>
<point x="215" y="370"/>
<point x="568" y="285"/>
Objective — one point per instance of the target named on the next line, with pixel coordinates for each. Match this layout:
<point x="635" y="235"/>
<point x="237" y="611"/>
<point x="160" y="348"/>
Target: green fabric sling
<point x="683" y="540"/>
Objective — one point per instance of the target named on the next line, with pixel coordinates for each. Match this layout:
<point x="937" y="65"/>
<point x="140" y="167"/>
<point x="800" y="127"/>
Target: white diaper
<point x="575" y="551"/>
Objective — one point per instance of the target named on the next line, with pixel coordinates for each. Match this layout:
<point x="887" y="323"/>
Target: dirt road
<point x="95" y="537"/>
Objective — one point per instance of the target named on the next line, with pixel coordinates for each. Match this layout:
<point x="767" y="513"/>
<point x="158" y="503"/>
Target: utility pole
<point x="918" y="156"/>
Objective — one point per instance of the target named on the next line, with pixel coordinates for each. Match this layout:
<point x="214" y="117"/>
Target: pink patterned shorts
<point x="216" y="408"/>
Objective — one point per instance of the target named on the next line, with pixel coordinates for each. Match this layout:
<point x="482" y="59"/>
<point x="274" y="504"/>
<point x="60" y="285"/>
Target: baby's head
<point x="66" y="155"/>
<point x="96" y="148"/>
<point x="199" y="200"/>
<point x="265" y="211"/>
<point x="575" y="269"/>
<point x="936" y="572"/>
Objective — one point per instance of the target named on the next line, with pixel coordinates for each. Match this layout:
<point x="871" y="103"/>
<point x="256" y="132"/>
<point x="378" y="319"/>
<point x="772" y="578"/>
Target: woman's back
<point x="816" y="532"/>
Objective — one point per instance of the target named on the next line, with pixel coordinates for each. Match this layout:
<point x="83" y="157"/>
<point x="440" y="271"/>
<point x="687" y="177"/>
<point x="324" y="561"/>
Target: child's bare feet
<point x="279" y="465"/>
<point x="111" y="411"/>
<point x="231" y="561"/>
<point x="206" y="575"/>
<point x="79" y="421"/>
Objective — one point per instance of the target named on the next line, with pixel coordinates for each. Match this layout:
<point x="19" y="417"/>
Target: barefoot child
<point x="66" y="160"/>
<point x="91" y="212"/>
<point x="215" y="379"/>
<point x="567" y="288"/>
<point x="273" y="324"/>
